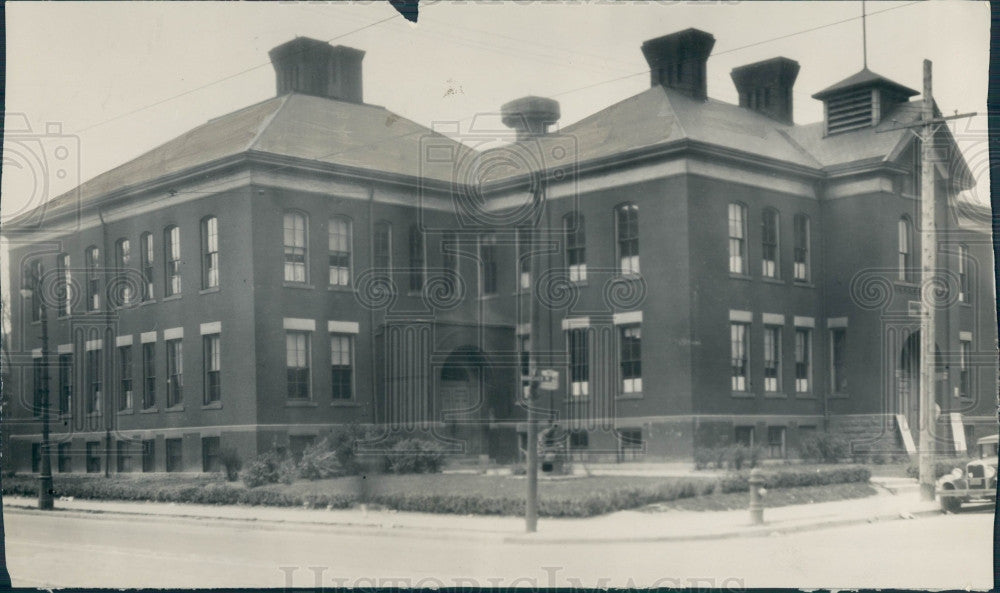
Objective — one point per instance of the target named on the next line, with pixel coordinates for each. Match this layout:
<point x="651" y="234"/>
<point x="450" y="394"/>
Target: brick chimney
<point x="314" y="67"/>
<point x="678" y="61"/>
<point x="766" y="87"/>
<point x="530" y="116"/>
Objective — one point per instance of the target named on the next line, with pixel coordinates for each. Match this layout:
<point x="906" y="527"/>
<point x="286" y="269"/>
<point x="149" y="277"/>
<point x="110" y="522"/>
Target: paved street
<point x="952" y="551"/>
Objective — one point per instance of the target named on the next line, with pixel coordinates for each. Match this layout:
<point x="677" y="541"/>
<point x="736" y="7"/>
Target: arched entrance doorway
<point x="467" y="399"/>
<point x="908" y="383"/>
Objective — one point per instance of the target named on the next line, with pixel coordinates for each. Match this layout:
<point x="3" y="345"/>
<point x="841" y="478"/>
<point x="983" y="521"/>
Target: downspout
<point x="371" y="310"/>
<point x="110" y="350"/>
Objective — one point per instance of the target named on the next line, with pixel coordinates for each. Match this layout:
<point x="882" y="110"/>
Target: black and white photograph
<point x="497" y="294"/>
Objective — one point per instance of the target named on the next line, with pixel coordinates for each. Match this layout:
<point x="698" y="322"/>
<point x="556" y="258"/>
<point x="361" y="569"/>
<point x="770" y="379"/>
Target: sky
<point x="121" y="78"/>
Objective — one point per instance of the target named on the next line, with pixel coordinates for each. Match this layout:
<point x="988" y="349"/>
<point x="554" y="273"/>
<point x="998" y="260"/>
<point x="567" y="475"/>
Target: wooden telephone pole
<point x="928" y="125"/>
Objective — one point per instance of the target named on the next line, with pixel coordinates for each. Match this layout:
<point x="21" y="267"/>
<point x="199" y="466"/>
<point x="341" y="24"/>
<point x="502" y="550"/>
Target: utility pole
<point x="534" y="369"/>
<point x="928" y="125"/>
<point x="928" y="271"/>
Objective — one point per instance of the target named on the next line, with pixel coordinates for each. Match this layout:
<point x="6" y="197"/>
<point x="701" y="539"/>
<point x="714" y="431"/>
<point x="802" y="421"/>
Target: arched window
<point x="487" y="264"/>
<point x="801" y="254"/>
<point x="737" y="239"/>
<point x="339" y="240"/>
<point x="295" y="241"/>
<point x="93" y="264"/>
<point x="905" y="233"/>
<point x="383" y="247"/>
<point x="146" y="248"/>
<point x="172" y="259"/>
<point x="123" y="259"/>
<point x="627" y="234"/>
<point x="63" y="277"/>
<point x="209" y="252"/>
<point x="32" y="280"/>
<point x="770" y="252"/>
<point x="416" y="271"/>
<point x="576" y="247"/>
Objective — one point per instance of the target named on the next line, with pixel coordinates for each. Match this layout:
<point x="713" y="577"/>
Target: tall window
<point x="803" y="360"/>
<point x="770" y="267"/>
<point x="37" y="370"/>
<point x="579" y="362"/>
<point x="209" y="252"/>
<point x="776" y="442"/>
<point x="65" y="382"/>
<point x="210" y="451"/>
<point x="148" y="375"/>
<point x="449" y="248"/>
<point x="125" y="377"/>
<point x="905" y="234"/>
<point x="524" y="353"/>
<point x="383" y="247"/>
<point x="123" y="259"/>
<point x="93" y="257"/>
<point x="172" y="257"/>
<point x="737" y="238"/>
<point x="524" y="258"/>
<point x="838" y="360"/>
<point x="340" y="251"/>
<point x="34" y="273"/>
<point x="175" y="373"/>
<point x="627" y="230"/>
<point x="963" y="274"/>
<point x="488" y="264"/>
<point x="965" y="369"/>
<point x="772" y="358"/>
<point x="93" y="381"/>
<point x="576" y="247"/>
<point x="146" y="247"/>
<point x="340" y="365"/>
<point x="416" y="271"/>
<point x="801" y="252"/>
<point x="630" y="354"/>
<point x="174" y="454"/>
<point x="213" y="368"/>
<point x="295" y="237"/>
<point x="739" y="340"/>
<point x="63" y="276"/>
<point x="297" y="364"/>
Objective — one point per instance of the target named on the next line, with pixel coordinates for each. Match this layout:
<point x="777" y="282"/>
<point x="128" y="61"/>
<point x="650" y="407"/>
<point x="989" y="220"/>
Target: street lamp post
<point x="32" y="284"/>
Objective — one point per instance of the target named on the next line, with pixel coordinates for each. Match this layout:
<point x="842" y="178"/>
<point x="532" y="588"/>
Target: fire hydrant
<point x="757" y="493"/>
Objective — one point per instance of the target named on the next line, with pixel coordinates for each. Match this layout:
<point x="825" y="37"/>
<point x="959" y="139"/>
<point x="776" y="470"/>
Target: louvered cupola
<point x="860" y="101"/>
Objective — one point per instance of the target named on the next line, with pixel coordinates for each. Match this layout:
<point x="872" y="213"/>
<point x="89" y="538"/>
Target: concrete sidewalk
<point x="622" y="526"/>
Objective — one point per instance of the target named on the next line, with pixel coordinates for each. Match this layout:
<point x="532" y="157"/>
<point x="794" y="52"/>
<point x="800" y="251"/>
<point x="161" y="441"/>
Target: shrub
<point x="794" y="478"/>
<point x="262" y="470"/>
<point x="321" y="460"/>
<point x="941" y="467"/>
<point x="231" y="463"/>
<point x="825" y="447"/>
<point x="416" y="456"/>
<point x="704" y="457"/>
<point x="287" y="470"/>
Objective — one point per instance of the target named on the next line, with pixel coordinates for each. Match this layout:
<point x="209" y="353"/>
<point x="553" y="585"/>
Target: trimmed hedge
<point x="941" y="467"/>
<point x="484" y="497"/>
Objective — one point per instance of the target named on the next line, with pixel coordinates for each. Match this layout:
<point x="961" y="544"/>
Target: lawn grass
<point x="730" y="501"/>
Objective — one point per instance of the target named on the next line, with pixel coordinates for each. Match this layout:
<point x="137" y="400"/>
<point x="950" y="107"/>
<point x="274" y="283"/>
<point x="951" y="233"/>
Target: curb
<point x="752" y="531"/>
<point x="273" y="524"/>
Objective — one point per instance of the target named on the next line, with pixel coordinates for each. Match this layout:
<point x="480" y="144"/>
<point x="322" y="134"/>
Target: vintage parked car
<point x="977" y="483"/>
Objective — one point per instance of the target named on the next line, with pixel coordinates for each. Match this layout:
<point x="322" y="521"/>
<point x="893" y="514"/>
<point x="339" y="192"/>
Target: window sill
<point x="147" y="302"/>
<point x="345" y="403"/>
<point x="805" y="395"/>
<point x="736" y="276"/>
<point x="212" y="406"/>
<point x="173" y="297"/>
<point x="177" y="408"/>
<point x="301" y="285"/>
<point x="149" y="411"/>
<point x="627" y="396"/>
<point x="582" y="282"/>
<point x="487" y="297"/>
<point x="803" y="284"/>
<point x="743" y="394"/>
<point x="300" y="403"/>
<point x="127" y="412"/>
<point x="965" y="303"/>
<point x="770" y="280"/>
<point x="906" y="284"/>
<point x="209" y="290"/>
<point x="339" y="288"/>
<point x="89" y="415"/>
<point x="839" y="396"/>
<point x="775" y="395"/>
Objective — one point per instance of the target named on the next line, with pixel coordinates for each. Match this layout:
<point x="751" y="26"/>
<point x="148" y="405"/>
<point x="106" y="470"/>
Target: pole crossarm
<point x="926" y="122"/>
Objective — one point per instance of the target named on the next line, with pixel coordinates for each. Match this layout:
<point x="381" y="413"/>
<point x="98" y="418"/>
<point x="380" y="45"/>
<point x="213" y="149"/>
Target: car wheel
<point x="951" y="504"/>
